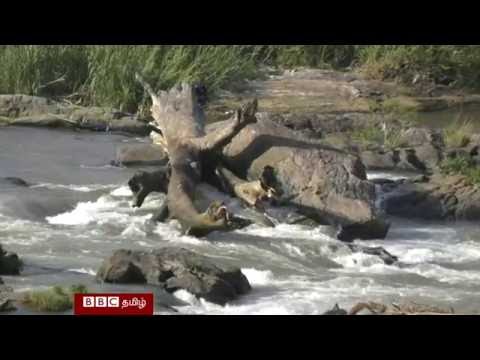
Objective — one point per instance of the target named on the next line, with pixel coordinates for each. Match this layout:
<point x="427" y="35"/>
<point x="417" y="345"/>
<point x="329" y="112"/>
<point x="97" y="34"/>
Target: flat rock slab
<point x="175" y="269"/>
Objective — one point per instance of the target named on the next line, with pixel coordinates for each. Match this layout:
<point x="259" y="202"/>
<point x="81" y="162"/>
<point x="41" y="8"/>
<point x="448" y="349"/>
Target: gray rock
<point x="383" y="254"/>
<point x="23" y="110"/>
<point x="14" y="181"/>
<point x="174" y="269"/>
<point x="10" y="264"/>
<point x="140" y="154"/>
<point x="437" y="197"/>
<point x="6" y="298"/>
<point x="336" y="310"/>
<point x="378" y="160"/>
<point x="326" y="184"/>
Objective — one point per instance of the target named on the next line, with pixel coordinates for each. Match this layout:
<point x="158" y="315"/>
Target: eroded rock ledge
<point x="24" y="110"/>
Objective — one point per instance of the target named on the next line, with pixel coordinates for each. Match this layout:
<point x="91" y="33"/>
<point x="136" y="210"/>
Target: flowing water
<point x="79" y="211"/>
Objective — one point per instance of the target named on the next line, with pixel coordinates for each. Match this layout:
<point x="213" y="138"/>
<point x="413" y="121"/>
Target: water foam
<point x="80" y="188"/>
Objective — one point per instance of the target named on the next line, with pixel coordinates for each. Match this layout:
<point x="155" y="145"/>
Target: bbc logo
<point x="101" y="302"/>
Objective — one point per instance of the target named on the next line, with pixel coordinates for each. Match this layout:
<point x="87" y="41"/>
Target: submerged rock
<point x="383" y="254"/>
<point x="10" y="264"/>
<point x="14" y="181"/>
<point x="336" y="310"/>
<point x="174" y="269"/>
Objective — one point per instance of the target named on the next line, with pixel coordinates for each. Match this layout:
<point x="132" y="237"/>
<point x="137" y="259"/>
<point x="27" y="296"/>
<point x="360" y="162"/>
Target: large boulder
<point x="323" y="182"/>
<point x="437" y="197"/>
<point x="140" y="154"/>
<point x="174" y="269"/>
<point x="10" y="264"/>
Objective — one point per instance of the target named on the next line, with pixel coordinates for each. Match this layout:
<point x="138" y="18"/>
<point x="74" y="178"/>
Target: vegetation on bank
<point x="56" y="299"/>
<point x="457" y="134"/>
<point x="104" y="74"/>
<point x="462" y="165"/>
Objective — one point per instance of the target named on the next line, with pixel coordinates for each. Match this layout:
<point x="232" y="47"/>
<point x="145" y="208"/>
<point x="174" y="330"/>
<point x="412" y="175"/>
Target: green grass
<point x="56" y="299"/>
<point x="457" y="135"/>
<point x="462" y="165"/>
<point x="404" y="62"/>
<point x="104" y="74"/>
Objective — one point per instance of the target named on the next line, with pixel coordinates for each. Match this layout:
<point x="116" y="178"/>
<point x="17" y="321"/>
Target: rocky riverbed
<point x="65" y="206"/>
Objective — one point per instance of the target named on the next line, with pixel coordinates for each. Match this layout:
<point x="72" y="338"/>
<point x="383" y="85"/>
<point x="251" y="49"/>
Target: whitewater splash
<point x="293" y="269"/>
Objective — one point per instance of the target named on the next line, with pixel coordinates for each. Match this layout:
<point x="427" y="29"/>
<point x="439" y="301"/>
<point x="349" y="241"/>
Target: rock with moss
<point x="175" y="269"/>
<point x="10" y="263"/>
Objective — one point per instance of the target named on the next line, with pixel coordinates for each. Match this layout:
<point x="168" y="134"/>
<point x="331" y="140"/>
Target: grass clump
<point x="462" y="165"/>
<point x="56" y="299"/>
<point x="374" y="135"/>
<point x="457" y="135"/>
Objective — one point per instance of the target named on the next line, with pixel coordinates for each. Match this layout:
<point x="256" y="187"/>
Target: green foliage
<point x="368" y="135"/>
<point x="462" y="165"/>
<point x="56" y="299"/>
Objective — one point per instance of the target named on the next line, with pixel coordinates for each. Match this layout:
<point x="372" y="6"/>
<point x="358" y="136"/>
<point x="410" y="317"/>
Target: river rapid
<point x="79" y="211"/>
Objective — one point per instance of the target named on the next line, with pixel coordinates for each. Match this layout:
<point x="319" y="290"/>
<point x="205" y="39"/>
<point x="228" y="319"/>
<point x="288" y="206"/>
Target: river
<point x="79" y="211"/>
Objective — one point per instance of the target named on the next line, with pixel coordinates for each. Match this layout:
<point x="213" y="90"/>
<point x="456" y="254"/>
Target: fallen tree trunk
<point x="180" y="122"/>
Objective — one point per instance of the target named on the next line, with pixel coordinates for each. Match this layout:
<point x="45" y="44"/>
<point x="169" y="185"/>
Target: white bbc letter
<point x="101" y="301"/>
<point x="114" y="302"/>
<point x="88" y="302"/>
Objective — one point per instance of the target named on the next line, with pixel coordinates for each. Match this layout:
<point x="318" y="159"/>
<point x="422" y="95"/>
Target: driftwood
<point x="410" y="308"/>
<point x="180" y="126"/>
<point x="374" y="308"/>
